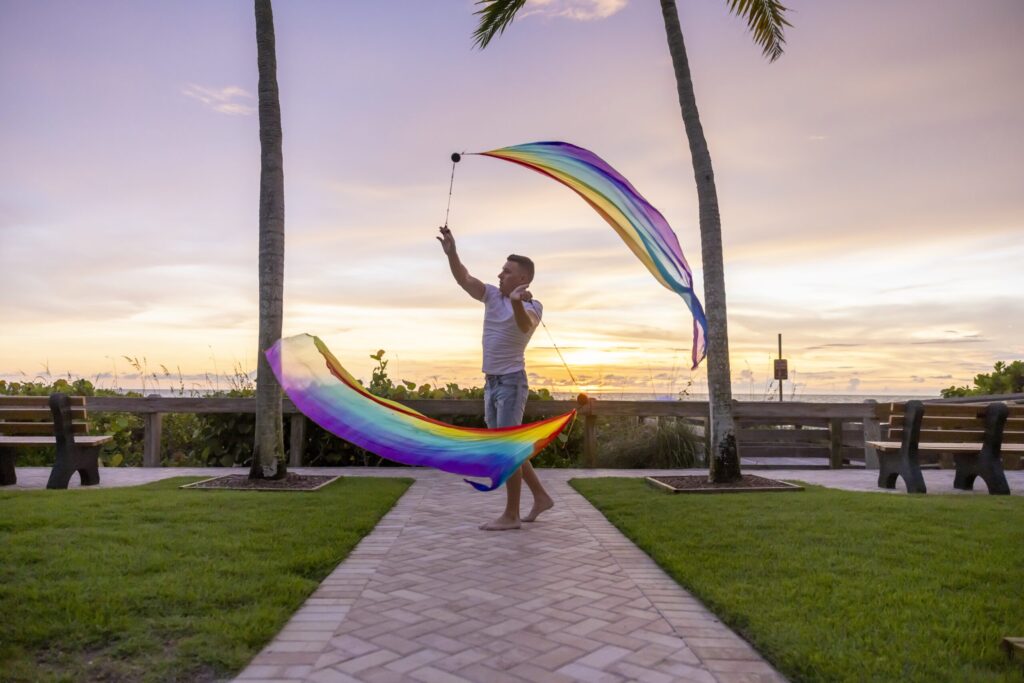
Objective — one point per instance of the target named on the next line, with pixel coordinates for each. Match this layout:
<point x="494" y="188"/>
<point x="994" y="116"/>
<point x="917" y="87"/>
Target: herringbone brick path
<point x="428" y="597"/>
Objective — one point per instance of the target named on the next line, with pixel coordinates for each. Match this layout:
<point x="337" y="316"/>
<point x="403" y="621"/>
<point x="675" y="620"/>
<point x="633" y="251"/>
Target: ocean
<point x="626" y="396"/>
<point x="743" y="396"/>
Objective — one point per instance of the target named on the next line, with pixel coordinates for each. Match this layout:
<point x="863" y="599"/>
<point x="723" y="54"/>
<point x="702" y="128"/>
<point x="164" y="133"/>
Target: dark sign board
<point x="781" y="369"/>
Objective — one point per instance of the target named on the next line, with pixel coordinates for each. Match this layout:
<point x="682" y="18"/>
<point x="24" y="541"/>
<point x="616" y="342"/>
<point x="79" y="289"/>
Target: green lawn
<point x="156" y="583"/>
<point x="842" y="586"/>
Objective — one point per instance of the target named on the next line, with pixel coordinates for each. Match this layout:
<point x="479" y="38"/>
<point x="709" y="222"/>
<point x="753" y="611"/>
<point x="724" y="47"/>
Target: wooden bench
<point x="976" y="436"/>
<point x="55" y="420"/>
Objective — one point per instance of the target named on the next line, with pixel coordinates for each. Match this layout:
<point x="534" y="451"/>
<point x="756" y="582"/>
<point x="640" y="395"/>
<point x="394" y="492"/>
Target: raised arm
<point x="473" y="287"/>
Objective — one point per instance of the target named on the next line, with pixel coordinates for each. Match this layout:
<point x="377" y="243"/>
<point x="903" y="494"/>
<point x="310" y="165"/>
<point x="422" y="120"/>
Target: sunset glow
<point x="869" y="183"/>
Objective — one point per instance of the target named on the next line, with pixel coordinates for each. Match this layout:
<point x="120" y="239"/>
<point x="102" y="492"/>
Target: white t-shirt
<point x="504" y="342"/>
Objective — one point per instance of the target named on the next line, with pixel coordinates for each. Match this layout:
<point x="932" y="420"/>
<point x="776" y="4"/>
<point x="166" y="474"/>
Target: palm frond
<point x="495" y="17"/>
<point x="766" y="20"/>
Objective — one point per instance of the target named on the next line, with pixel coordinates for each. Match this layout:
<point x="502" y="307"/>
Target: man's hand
<point x="525" y="320"/>
<point x="521" y="293"/>
<point x="473" y="287"/>
<point x="446" y="240"/>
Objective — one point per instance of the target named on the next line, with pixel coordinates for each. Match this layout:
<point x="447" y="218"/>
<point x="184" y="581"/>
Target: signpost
<point x="781" y="368"/>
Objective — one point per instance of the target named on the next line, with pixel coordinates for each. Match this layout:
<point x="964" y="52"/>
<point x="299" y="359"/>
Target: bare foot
<point x="502" y="523"/>
<point x="539" y="506"/>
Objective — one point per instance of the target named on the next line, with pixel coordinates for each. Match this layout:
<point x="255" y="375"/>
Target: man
<point x="511" y="314"/>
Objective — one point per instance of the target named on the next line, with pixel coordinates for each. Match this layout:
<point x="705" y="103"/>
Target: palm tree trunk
<point x="268" y="449"/>
<point x="725" y="462"/>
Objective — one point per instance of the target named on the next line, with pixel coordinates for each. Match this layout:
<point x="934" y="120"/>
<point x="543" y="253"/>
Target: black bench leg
<point x="888" y="470"/>
<point x="965" y="472"/>
<point x="88" y="465"/>
<point x="910" y="470"/>
<point x="61" y="473"/>
<point x="970" y="467"/>
<point x="992" y="473"/>
<point x="7" y="475"/>
<point x="81" y="460"/>
<point x="990" y="460"/>
<point x="892" y="466"/>
<point x="988" y="464"/>
<point x="66" y="461"/>
<point x="904" y="464"/>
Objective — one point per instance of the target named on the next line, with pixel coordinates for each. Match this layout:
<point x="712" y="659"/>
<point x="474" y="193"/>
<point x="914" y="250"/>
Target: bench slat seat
<point x="38" y="428"/>
<point x="39" y="401"/>
<point x="1013" y="424"/>
<point x="961" y="409"/>
<point x="18" y="414"/>
<point x="969" y="447"/>
<point x="956" y="436"/>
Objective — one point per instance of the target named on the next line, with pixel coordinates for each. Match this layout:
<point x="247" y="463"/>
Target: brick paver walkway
<point x="429" y="597"/>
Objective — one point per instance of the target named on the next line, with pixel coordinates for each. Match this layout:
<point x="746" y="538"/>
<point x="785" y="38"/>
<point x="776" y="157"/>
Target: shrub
<point x="1004" y="379"/>
<point x="649" y="443"/>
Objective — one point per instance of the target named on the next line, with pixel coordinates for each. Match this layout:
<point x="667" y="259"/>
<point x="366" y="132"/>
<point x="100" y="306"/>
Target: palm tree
<point x="765" y="19"/>
<point x="268" y="448"/>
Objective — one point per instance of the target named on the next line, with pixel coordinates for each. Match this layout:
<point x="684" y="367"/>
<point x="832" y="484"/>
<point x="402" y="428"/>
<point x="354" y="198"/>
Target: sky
<point x="870" y="183"/>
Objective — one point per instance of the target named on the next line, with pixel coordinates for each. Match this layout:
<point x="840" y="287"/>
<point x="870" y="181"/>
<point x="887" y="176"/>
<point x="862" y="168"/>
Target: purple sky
<point x="869" y="182"/>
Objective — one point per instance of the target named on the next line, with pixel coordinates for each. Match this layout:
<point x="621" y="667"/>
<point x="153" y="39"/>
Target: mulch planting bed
<point x="748" y="483"/>
<point x="242" y="482"/>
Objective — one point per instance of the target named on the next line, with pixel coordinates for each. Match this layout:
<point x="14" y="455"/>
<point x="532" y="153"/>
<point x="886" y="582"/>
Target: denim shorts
<point x="505" y="399"/>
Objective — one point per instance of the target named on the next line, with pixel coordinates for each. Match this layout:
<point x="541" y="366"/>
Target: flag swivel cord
<point x="456" y="157"/>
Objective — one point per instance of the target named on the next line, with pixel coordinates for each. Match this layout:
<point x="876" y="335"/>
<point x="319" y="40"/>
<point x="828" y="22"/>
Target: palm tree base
<point x="725" y="464"/>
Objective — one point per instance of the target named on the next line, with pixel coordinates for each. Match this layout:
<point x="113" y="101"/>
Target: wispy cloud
<point x="833" y="346"/>
<point x="964" y="340"/>
<point x="227" y="100"/>
<point x="577" y="10"/>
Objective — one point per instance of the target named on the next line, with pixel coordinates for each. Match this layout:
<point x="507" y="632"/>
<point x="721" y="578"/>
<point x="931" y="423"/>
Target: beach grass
<point x="843" y="586"/>
<point x="155" y="583"/>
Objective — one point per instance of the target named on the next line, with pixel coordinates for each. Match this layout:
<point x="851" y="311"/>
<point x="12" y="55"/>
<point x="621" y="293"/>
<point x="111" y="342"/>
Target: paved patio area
<point x="429" y="597"/>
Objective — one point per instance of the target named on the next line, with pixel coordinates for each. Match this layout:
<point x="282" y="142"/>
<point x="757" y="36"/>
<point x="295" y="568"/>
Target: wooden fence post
<point x="835" y="428"/>
<point x="298" y="440"/>
<point x="872" y="432"/>
<point x="151" y="438"/>
<point x="589" y="436"/>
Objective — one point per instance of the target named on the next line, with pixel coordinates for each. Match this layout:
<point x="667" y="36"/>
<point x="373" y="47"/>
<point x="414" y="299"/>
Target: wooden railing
<point x="836" y="431"/>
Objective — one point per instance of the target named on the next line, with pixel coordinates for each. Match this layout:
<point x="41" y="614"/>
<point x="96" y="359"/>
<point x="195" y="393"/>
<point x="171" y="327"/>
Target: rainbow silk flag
<point x="328" y="395"/>
<point x="642" y="227"/>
